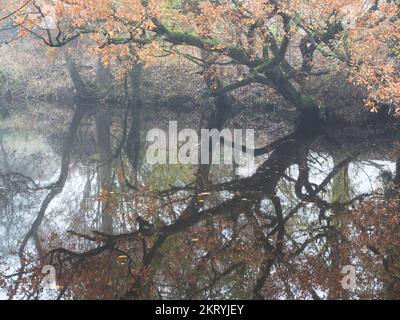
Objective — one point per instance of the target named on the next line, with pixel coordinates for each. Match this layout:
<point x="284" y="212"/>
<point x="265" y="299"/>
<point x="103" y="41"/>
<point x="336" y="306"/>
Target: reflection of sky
<point x="32" y="156"/>
<point x="65" y="205"/>
<point x="29" y="154"/>
<point x="364" y="177"/>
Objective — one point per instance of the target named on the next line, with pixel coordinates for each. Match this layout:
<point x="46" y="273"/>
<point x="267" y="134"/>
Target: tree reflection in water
<point x="180" y="232"/>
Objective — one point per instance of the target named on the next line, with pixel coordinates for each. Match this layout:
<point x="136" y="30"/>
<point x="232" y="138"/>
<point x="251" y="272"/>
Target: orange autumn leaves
<point x="370" y="39"/>
<point x="375" y="47"/>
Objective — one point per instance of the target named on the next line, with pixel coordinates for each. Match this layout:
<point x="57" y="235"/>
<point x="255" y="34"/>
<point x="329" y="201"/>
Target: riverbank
<point x="35" y="78"/>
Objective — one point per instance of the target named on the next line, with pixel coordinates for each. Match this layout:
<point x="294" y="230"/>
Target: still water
<point x="283" y="229"/>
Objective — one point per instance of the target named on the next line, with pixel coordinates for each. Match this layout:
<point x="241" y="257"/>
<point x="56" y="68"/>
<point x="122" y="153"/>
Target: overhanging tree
<point x="255" y="34"/>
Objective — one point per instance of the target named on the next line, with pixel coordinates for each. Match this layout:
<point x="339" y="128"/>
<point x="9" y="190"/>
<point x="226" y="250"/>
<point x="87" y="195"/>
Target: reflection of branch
<point x="218" y="276"/>
<point x="229" y="207"/>
<point x="83" y="236"/>
<point x="15" y="11"/>
<point x="22" y="179"/>
<point x="148" y="242"/>
<point x="334" y="172"/>
<point x="58" y="186"/>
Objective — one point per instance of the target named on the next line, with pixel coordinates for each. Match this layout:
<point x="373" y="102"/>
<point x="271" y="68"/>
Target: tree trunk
<point x="340" y="224"/>
<point x="80" y="86"/>
<point x="103" y="130"/>
<point x="133" y="140"/>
